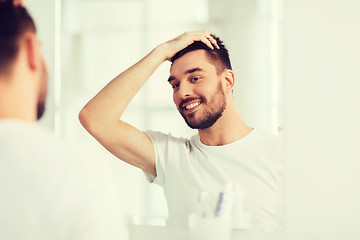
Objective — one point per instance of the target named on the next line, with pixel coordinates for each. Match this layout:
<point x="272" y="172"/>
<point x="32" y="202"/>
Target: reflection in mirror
<point x="103" y="38"/>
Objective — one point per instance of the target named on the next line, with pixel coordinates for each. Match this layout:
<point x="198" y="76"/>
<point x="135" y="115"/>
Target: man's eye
<point x="194" y="79"/>
<point x="175" y="85"/>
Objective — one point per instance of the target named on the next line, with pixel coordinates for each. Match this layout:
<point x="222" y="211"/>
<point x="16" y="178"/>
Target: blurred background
<point x="297" y="66"/>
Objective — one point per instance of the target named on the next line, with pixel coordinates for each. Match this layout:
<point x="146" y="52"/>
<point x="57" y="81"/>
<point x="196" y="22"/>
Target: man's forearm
<point x="109" y="104"/>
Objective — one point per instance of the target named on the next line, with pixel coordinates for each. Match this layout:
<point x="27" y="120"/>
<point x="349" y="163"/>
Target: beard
<point x="42" y="92"/>
<point x="212" y="111"/>
<point x="40" y="109"/>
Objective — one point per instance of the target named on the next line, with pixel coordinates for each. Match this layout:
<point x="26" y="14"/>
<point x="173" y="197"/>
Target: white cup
<point x="210" y="228"/>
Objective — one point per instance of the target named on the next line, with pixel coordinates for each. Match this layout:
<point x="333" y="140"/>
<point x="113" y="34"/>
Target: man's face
<point x="198" y="90"/>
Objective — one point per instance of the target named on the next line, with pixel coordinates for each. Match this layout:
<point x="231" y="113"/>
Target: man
<point x="47" y="189"/>
<point x="225" y="150"/>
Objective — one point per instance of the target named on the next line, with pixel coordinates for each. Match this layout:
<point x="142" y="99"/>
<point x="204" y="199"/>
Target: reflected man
<point x="225" y="148"/>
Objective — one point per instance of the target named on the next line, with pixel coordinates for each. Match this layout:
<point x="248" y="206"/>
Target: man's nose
<point x="185" y="90"/>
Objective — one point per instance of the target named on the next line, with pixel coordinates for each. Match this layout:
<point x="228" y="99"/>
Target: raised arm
<point x="101" y="115"/>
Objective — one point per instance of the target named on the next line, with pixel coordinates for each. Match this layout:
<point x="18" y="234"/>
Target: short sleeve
<point x="160" y="143"/>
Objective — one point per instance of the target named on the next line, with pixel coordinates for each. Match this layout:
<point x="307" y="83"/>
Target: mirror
<point x="101" y="38"/>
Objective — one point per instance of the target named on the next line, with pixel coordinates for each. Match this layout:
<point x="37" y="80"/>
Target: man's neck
<point x="16" y="105"/>
<point x="227" y="129"/>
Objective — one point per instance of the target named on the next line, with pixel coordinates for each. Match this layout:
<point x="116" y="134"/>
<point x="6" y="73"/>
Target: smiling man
<point x="225" y="148"/>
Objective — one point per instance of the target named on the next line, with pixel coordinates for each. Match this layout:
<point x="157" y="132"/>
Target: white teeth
<point x="190" y="106"/>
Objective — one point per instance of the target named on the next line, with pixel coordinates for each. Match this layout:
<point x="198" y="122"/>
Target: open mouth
<point x="190" y="107"/>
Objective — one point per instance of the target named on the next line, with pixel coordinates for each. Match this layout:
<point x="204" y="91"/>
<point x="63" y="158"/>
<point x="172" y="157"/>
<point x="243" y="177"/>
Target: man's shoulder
<point x="30" y="145"/>
<point x="157" y="136"/>
<point x="265" y="136"/>
<point x="260" y="139"/>
<point x="22" y="140"/>
<point x="26" y="135"/>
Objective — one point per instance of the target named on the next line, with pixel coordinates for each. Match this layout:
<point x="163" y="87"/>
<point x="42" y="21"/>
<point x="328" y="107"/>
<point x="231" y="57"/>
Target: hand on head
<point x="175" y="45"/>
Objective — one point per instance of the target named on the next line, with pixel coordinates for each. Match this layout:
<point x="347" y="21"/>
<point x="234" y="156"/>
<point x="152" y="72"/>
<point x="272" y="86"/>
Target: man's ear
<point x="229" y="80"/>
<point x="32" y="51"/>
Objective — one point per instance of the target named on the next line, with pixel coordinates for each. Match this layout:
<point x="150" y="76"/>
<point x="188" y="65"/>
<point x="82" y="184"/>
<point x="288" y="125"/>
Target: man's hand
<point x="175" y="45"/>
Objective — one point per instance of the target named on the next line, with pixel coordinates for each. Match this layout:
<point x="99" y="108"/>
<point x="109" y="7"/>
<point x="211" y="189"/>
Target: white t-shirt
<point x="186" y="167"/>
<point x="49" y="191"/>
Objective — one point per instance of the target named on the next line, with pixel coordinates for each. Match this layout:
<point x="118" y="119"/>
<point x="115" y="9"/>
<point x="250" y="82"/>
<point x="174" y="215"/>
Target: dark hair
<point x="14" y="22"/>
<point x="220" y="56"/>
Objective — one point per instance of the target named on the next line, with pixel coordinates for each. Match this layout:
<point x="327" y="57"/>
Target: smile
<point x="192" y="105"/>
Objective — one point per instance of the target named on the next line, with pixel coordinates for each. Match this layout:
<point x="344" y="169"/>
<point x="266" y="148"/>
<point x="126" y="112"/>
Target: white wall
<point x="322" y="117"/>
